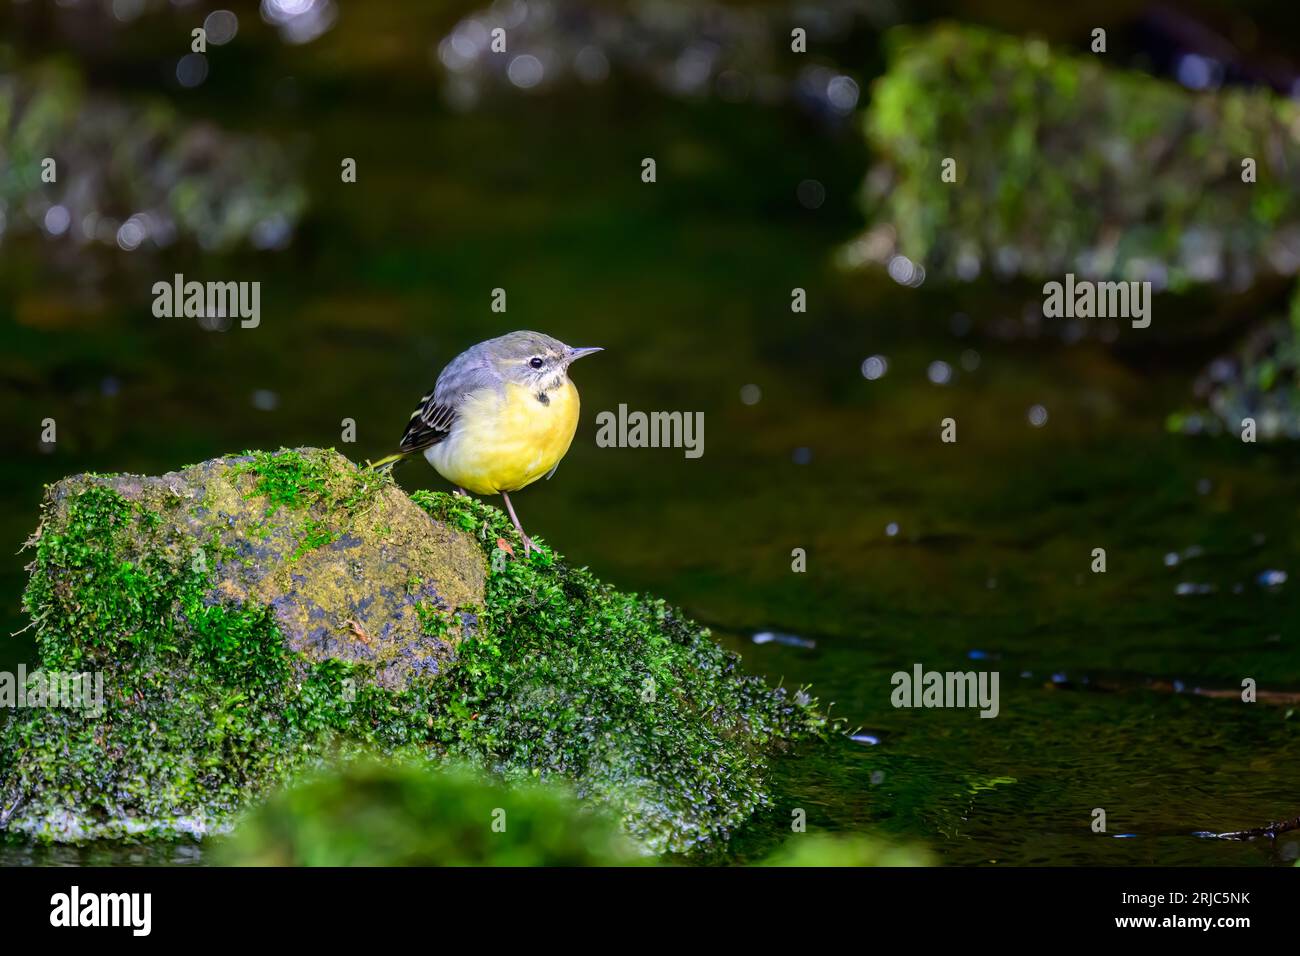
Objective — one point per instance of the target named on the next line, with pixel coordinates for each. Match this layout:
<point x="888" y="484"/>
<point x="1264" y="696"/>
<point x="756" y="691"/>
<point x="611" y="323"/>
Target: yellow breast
<point x="505" y="442"/>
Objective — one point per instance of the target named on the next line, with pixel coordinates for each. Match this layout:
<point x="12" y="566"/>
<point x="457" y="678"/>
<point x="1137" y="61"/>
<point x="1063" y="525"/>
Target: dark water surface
<point x="687" y="283"/>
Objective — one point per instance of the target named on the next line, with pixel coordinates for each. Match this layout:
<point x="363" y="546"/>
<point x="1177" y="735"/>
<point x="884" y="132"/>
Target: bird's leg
<point x="461" y="492"/>
<point x="528" y="545"/>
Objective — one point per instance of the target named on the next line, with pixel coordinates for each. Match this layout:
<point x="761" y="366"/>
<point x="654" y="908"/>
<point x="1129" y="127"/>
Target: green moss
<point x="293" y="479"/>
<point x="405" y="813"/>
<point x="317" y="535"/>
<point x="286" y="478"/>
<point x="562" y="677"/>
<point x="98" y="600"/>
<point x="239" y="647"/>
<point x="435" y="621"/>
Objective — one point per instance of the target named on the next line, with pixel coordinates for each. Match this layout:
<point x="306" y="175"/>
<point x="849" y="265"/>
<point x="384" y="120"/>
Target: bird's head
<point x="536" y="361"/>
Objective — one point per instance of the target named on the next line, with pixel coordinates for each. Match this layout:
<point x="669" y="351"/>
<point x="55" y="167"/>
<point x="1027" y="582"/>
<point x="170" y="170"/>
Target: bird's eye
<point x="535" y="362"/>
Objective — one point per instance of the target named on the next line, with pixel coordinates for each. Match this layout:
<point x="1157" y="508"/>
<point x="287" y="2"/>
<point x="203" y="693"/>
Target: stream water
<point x="975" y="555"/>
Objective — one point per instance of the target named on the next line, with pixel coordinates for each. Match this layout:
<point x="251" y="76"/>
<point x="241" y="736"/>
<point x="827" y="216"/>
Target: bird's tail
<point x="388" y="461"/>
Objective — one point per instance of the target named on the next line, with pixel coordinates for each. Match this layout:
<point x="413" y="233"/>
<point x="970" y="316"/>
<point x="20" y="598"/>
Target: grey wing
<point x="430" y="423"/>
<point x="435" y="416"/>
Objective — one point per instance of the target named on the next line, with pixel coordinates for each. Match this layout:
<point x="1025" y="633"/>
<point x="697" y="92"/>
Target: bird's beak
<point x="575" y="354"/>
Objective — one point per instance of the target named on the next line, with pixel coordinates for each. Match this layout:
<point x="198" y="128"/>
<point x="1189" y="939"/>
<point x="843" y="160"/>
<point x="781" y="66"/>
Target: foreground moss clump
<point x="213" y="602"/>
<point x="398" y="813"/>
<point x="408" y="813"/>
<point x="826" y="849"/>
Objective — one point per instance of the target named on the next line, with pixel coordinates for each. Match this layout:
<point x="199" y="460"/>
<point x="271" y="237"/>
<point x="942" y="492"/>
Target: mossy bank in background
<point x="1000" y="155"/>
<point x="1061" y="162"/>
<point x="258" y="615"/>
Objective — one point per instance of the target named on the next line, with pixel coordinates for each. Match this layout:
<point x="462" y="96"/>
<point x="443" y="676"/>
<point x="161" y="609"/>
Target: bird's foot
<point x="460" y="492"/>
<point x="528" y="544"/>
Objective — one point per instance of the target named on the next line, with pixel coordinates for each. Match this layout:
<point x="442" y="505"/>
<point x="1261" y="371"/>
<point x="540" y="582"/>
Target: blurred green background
<point x="476" y="173"/>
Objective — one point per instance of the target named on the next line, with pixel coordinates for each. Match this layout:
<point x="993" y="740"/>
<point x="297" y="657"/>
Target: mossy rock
<point x="258" y="616"/>
<point x="346" y="565"/>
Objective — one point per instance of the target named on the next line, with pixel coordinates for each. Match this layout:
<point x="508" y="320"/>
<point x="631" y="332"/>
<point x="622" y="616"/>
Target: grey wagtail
<point x="501" y="415"/>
